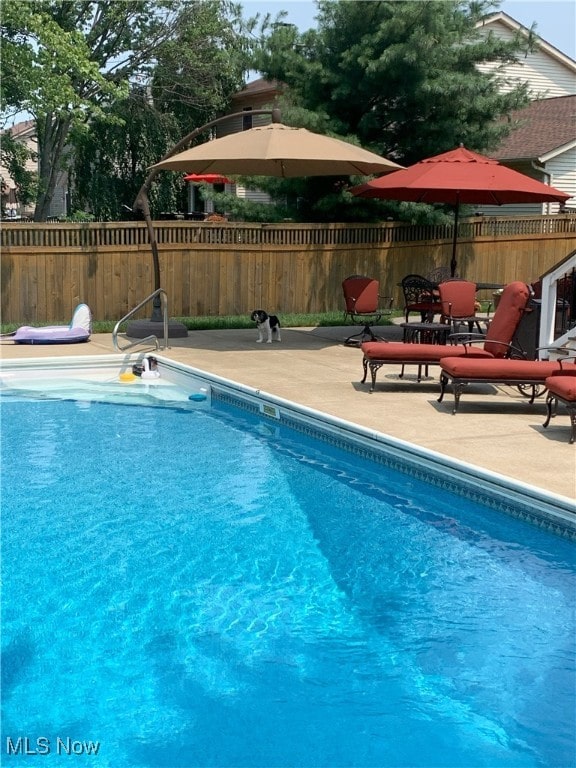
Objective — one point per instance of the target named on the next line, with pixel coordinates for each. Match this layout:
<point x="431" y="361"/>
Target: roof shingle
<point x="543" y="126"/>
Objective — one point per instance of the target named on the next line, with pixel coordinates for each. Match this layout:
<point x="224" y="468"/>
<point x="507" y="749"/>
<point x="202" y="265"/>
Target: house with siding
<point x="258" y="94"/>
<point x="542" y="143"/>
<point x="25" y="132"/>
<point x="548" y="71"/>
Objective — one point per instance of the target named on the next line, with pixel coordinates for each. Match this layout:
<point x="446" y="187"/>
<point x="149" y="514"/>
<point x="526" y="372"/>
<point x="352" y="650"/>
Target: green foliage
<point x="196" y="70"/>
<point x="228" y="322"/>
<point x="68" y="56"/>
<point x="79" y="217"/>
<point x="115" y="84"/>
<point x="70" y="64"/>
<point x="289" y="320"/>
<point x="112" y="157"/>
<point x="238" y="209"/>
<point x="400" y="77"/>
<point x="202" y="64"/>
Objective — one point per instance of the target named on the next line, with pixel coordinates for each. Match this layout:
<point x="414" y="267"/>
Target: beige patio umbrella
<point x="269" y="150"/>
<point x="278" y="150"/>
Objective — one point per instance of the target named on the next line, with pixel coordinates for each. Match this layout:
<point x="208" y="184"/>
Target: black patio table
<point x="426" y="333"/>
<point x="489" y="286"/>
<point x="479" y="286"/>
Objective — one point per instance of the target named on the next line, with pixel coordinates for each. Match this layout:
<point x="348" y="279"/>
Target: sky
<point x="555" y="19"/>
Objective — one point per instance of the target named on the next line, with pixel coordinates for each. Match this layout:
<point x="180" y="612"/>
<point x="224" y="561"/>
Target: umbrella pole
<point x="142" y="205"/>
<point x="453" y="262"/>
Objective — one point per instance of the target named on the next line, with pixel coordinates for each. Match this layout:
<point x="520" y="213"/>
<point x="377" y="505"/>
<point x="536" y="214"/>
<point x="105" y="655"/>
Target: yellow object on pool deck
<point x="127" y="377"/>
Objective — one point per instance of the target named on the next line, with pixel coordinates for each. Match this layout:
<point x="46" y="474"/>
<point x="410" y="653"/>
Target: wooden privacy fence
<point x="232" y="268"/>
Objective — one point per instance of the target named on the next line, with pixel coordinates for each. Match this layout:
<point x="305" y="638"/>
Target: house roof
<point x="258" y="87"/>
<point x="545" y="127"/>
<point x="515" y="26"/>
<point x="19" y="130"/>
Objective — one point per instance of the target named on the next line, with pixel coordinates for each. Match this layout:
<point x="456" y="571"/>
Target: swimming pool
<point x="227" y="582"/>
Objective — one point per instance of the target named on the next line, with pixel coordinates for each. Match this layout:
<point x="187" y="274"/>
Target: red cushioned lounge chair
<point x="562" y="388"/>
<point x="496" y="343"/>
<point x="527" y="375"/>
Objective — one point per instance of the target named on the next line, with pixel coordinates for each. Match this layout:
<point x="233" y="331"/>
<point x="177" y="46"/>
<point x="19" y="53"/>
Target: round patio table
<point x="425" y="333"/>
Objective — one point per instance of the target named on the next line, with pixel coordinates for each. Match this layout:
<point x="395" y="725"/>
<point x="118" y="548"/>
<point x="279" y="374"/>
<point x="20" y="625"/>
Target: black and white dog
<point x="266" y="323"/>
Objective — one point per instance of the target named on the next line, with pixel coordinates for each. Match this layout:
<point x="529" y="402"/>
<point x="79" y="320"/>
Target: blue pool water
<point x="202" y="587"/>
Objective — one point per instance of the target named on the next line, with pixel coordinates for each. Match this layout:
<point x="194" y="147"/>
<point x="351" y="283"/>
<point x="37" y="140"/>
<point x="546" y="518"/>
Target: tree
<point x="112" y="153"/>
<point x="399" y="76"/>
<point x="194" y="75"/>
<point x="203" y="63"/>
<point x="52" y="75"/>
<point x="65" y="62"/>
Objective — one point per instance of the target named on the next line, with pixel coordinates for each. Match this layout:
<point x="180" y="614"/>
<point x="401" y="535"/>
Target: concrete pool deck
<point x="495" y="427"/>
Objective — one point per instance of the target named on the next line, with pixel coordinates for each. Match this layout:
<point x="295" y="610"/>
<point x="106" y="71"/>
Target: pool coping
<point x="545" y="509"/>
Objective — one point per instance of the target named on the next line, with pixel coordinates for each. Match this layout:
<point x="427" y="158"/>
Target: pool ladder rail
<point x="152" y="338"/>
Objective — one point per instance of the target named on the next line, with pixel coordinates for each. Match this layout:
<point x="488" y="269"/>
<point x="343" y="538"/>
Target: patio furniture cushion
<point x="362" y="300"/>
<point x="562" y="386"/>
<point x="496" y="370"/>
<point x="566" y="369"/>
<point x="458" y="301"/>
<point x="424" y="306"/>
<point x="521" y="373"/>
<point x="395" y="352"/>
<point x="506" y="319"/>
<point x="457" y="298"/>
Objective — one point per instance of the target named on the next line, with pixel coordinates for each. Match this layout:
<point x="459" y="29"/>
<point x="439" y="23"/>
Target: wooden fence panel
<point x="230" y="269"/>
<point x="29" y="287"/>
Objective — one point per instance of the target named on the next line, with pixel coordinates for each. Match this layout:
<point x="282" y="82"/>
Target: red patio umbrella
<point x="460" y="177"/>
<point x="208" y="178"/>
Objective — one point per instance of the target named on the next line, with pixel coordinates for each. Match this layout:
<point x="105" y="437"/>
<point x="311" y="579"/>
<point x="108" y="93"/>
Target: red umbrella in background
<point x="208" y="178"/>
<point x="460" y="177"/>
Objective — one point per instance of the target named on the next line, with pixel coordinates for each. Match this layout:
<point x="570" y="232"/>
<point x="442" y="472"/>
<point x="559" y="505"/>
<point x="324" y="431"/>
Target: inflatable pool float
<point x="79" y="330"/>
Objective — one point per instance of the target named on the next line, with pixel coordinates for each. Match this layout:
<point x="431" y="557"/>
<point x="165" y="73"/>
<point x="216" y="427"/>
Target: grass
<point x="223" y="322"/>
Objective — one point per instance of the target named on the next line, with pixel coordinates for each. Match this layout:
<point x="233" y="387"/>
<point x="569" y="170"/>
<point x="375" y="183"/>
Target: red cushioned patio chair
<point x="458" y="303"/>
<point x="362" y="300"/>
<point x="561" y="388"/>
<point x="497" y="343"/>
